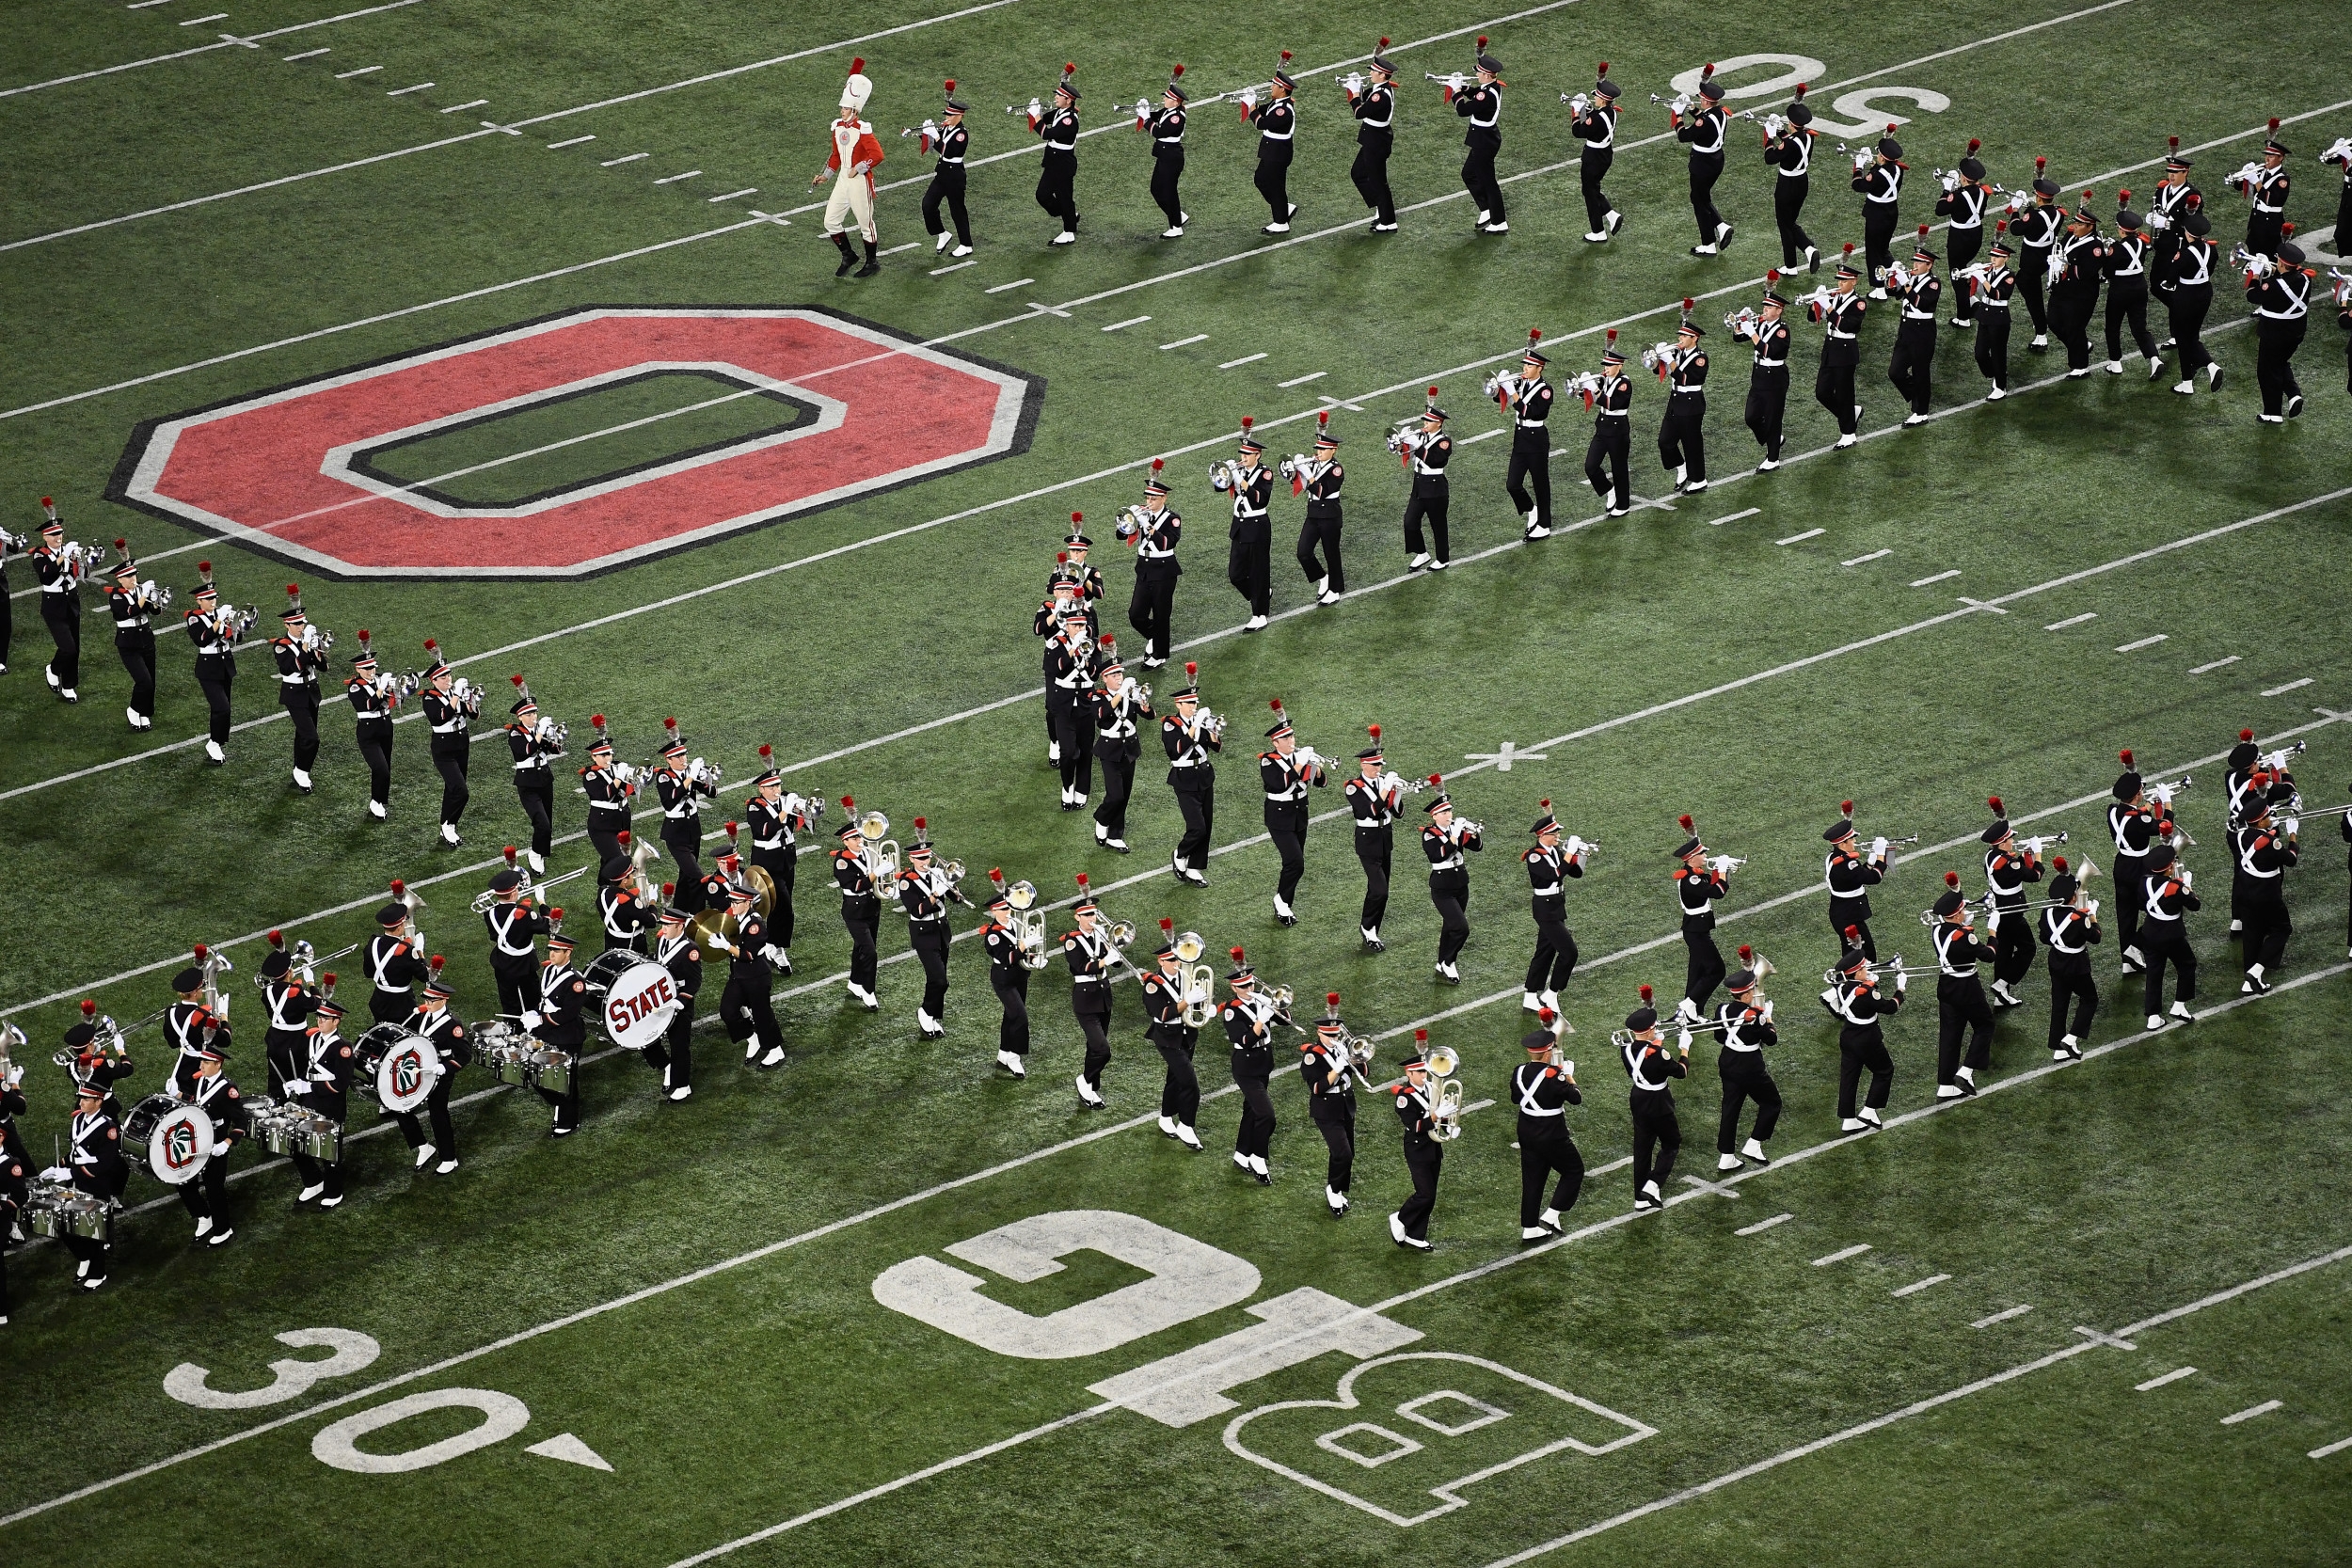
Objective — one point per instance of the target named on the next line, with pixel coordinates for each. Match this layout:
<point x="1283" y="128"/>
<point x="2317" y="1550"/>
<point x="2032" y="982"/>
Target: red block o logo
<point x="287" y="471"/>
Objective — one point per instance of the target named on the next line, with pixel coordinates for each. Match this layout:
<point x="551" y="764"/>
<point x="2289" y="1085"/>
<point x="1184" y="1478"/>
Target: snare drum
<point x="174" y="1137"/>
<point x="635" y="996"/>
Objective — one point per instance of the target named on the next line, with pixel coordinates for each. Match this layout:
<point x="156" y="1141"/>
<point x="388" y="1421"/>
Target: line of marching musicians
<point x="644" y="997"/>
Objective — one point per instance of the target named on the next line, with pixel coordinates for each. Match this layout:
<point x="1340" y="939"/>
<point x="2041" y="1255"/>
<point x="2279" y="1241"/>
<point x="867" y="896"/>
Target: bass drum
<point x="173" y="1136"/>
<point x="722" y="921"/>
<point x="396" y="1068"/>
<point x="635" y="996"/>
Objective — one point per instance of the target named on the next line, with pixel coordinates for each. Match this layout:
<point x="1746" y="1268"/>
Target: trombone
<point x="1877" y="971"/>
<point x="484" y="901"/>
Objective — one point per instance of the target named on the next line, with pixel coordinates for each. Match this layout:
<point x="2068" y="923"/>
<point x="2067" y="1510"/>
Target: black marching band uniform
<point x="1840" y="316"/>
<point x="861" y="911"/>
<point x="953" y="144"/>
<point x="558" y="1022"/>
<point x="1962" y="205"/>
<point x="1526" y="401"/>
<point x="94" y="1144"/>
<point x="1682" y="433"/>
<point x="286" y="1038"/>
<point x="775" y="823"/>
<point x="1912" y="368"/>
<point x="2189" y="300"/>
<point x="1697" y="886"/>
<point x="434" y="1022"/>
<point x="213" y="632"/>
<point x="1118" y="707"/>
<point x="1374" y="108"/>
<point x="2133" y="826"/>
<point x="534" y="754"/>
<point x="1188" y="742"/>
<point x="1851" y="876"/>
<point x="1704" y="132"/>
<point x="1791" y="154"/>
<point x="2267" y="198"/>
<point x="2263" y="852"/>
<point x="1657" y="1133"/>
<point x="393" y="966"/>
<point x="1327" y="1067"/>
<point x="1166" y="1028"/>
<point x="1985" y="294"/>
<point x="1057" y="181"/>
<point x="1596" y="126"/>
<point x="1250" y="561"/>
<point x="1542" y="1090"/>
<point x="373" y="697"/>
<point x="1374" y="797"/>
<point x="2008" y="870"/>
<point x="1155" y="536"/>
<point x="2078" y="267"/>
<point x="205" y="1196"/>
<point x="1481" y="105"/>
<point x="1166" y="127"/>
<point x="1879" y="183"/>
<point x="1277" y="120"/>
<point x="1426" y="452"/>
<point x="325" y="1091"/>
<point x="2069" y="932"/>
<point x="1445" y="842"/>
<point x="191" y="1025"/>
<point x="1424" y="1153"/>
<point x="1745" y="1027"/>
<point x="2280" y="298"/>
<point x="1857" y="1003"/>
<point x="1286" y="776"/>
<point x="2128" y="269"/>
<point x="675" y="949"/>
<point x="744" y="1005"/>
<point x="1960" y="1004"/>
<point x="1767" y="377"/>
<point x="300" y="657"/>
<point x="515" y="926"/>
<point x="1088" y="953"/>
<point x="623" y="917"/>
<point x="1248" y="1018"/>
<point x="1009" y="977"/>
<point x="1548" y="864"/>
<point x="681" y="794"/>
<point x="1319" y="481"/>
<point x="1608" y="457"/>
<point x="60" y="577"/>
<point x="2162" y="935"/>
<point x="449" y="719"/>
<point x="2039" y="228"/>
<point x="608" y="795"/>
<point x="924" y="895"/>
<point x="135" y="641"/>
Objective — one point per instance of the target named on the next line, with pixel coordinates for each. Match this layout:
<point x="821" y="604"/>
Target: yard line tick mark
<point x="2251" y="1411"/>
<point x="1730" y="518"/>
<point x="2291" y="686"/>
<point x="1940" y="577"/>
<point x="475" y="104"/>
<point x="1131" y="321"/>
<point x="747" y="190"/>
<point x="2143" y="642"/>
<point x="574" y="142"/>
<point x="1840" y="1256"/>
<point x="397" y="92"/>
<point x="306" y="54"/>
<point x="347" y="76"/>
<point x="1195" y="338"/>
<point x="1245" y="359"/>
<point x="1351" y="408"/>
<point x="1302" y="380"/>
<point x="2072" y="621"/>
<point x="1874" y="555"/>
<point x="194" y="20"/>
<point x="142" y="5"/>
<point x="2337" y="1446"/>
<point x="674" y="179"/>
<point x="626" y="158"/>
<point x="2173" y="1376"/>
<point x="2002" y="1317"/>
<point x="2206" y="669"/>
<point x="1918" y="1285"/>
<point x="957" y="266"/>
<point x="1014" y="284"/>
<point x="1800" y="538"/>
<point x="1762" y="1224"/>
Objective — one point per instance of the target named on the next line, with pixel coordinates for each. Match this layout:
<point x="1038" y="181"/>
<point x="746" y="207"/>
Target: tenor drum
<point x="551" y="1069"/>
<point x="635" y="996"/>
<point x="289" y="1129"/>
<point x="174" y="1137"/>
<point x="59" y="1213"/>
<point x="396" y="1068"/>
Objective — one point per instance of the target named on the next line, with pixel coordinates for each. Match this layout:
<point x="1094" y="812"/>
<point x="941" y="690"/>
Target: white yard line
<point x="339" y="76"/>
<point x="1918" y="1285"/>
<point x="1874" y="555"/>
<point x="2219" y="663"/>
<point x="1131" y="321"/>
<point x="894" y="251"/>
<point x="398" y="92"/>
<point x="306" y="54"/>
<point x="194" y="20"/>
<point x="692" y="173"/>
<point x="1731" y="517"/>
<point x="2173" y="1376"/>
<point x="954" y="266"/>
<point x="2251" y="1411"/>
<point x="2072" y="621"/>
<point x="2143" y="642"/>
<point x="1800" y="538"/>
<point x="454" y="107"/>
<point x="2337" y="1446"/>
<point x="1940" y="577"/>
<point x="1302" y="380"/>
<point x="203" y="48"/>
<point x="753" y="190"/>
<point x="1245" y="359"/>
<point x="1762" y="1225"/>
<point x="1016" y="283"/>
<point x="1186" y="343"/>
<point x="1839" y="1256"/>
<point x="2002" y="1317"/>
<point x="626" y="158"/>
<point x="2291" y="686"/>
<point x="554" y="146"/>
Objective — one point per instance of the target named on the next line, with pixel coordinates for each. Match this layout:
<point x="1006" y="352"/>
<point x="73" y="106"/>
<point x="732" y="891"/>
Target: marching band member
<point x="435" y="1022"/>
<point x="1548" y="864"/>
<point x="673" y="1055"/>
<point x="856" y="154"/>
<point x="1791" y="154"/>
<point x="289" y="1005"/>
<point x="1657" y="1133"/>
<point x="1596" y="126"/>
<point x="2190" y="299"/>
<point x="2007" y="870"/>
<point x="1963" y="205"/>
<point x="1746" y="1026"/>
<point x="2040" y="227"/>
<point x="1851" y="876"/>
<point x="608" y="793"/>
<point x="1327" y="1065"/>
<point x="1912" y="368"/>
<point x="1286" y="776"/>
<point x="1426" y="452"/>
<point x="324" y="1088"/>
<point x="1704" y="133"/>
<point x="2167" y="216"/>
<point x="559" y="1022"/>
<point x="1163" y="1006"/>
<point x="1840" y="317"/>
<point x="2134" y="827"/>
<point x="1165" y="125"/>
<point x="1009" y="977"/>
<point x="1189" y="741"/>
<point x="853" y="877"/>
<point x="1682" y="433"/>
<point x="1152" y="606"/>
<point x="2264" y="851"/>
<point x="1960" y="1004"/>
<point x="2069" y="931"/>
<point x="1424" y="1155"/>
<point x="395" y="965"/>
<point x="1088" y="953"/>
<point x="191" y="1025"/>
<point x="1608" y="457"/>
<point x="1879" y="183"/>
<point x="213" y="631"/>
<point x="1062" y="601"/>
<point x="1768" y="378"/>
<point x="2281" y="300"/>
<point x="1445" y="841"/>
<point x="924" y="895"/>
<point x="14" y="1186"/>
<point x="681" y="794"/>
<point x="1248" y="566"/>
<point x="60" y="605"/>
<point x="92" y="1068"/>
<point x="1374" y="109"/>
<point x="7" y="614"/>
<point x="1987" y="292"/>
<point x="953" y="143"/>
<point x="98" y="1171"/>
<point x="1543" y="1087"/>
<point x="1069" y="707"/>
<point x="135" y="641"/>
<point x="2164" y="936"/>
<point x="1057" y="128"/>
<point x="449" y="718"/>
<point x="2244" y="763"/>
<point x="2267" y="198"/>
<point x="2077" y="267"/>
<point x="1482" y="105"/>
<point x="623" y="917"/>
<point x="12" y="1105"/>
<point x="2127" y="292"/>
<point x="2344" y="824"/>
<point x="535" y="775"/>
<point x="1856" y="1003"/>
<point x="372" y="698"/>
<point x="299" y="660"/>
<point x="1118" y="709"/>
<point x="775" y="825"/>
<point x="1277" y="120"/>
<point x="516" y="925"/>
<point x="1526" y="401"/>
<point x="1698" y="885"/>
<point x="1090" y="582"/>
<point x="1320" y="481"/>
<point x="1374" y="802"/>
<point x="744" y="1006"/>
<point x="1245" y="1019"/>
<point x="206" y="1197"/>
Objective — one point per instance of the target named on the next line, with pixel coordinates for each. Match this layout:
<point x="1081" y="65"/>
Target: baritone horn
<point x="1199" y="980"/>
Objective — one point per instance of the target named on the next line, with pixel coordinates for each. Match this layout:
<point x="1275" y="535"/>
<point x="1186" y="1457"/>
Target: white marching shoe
<point x="1187" y="1137"/>
<point x="2179" y="1010"/>
<point x="375" y="808"/>
<point x="2156" y="1021"/>
<point x="1726" y="1162"/>
<point x="1550" y="1219"/>
<point x="961" y="251"/>
<point x="943" y="241"/>
<point x="1168" y="1127"/>
<point x="1529" y="1002"/>
<point x="1011" y="1063"/>
<point x="424" y="1155"/>
<point x="929" y="1026"/>
<point x="213" y="753"/>
<point x="1996" y="394"/>
<point x="1753" y="1150"/>
<point x="1087" y="1095"/>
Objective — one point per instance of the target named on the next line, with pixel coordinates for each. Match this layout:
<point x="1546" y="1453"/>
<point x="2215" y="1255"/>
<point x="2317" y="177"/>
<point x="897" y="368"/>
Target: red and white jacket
<point x="853" y="143"/>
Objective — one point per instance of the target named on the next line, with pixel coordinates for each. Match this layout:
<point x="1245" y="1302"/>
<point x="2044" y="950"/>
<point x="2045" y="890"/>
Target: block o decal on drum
<point x="287" y="471"/>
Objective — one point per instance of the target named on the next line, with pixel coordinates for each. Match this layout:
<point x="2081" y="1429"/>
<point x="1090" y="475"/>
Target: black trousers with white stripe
<point x="1531" y="465"/>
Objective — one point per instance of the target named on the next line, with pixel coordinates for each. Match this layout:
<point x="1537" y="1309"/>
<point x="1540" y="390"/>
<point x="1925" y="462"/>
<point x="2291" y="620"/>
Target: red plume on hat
<point x="1846" y="808"/>
<point x="1801" y="87"/>
<point x="1438" y="780"/>
<point x="1545" y="1017"/>
<point x="2060" y="861"/>
<point x="1191" y="669"/>
<point x="1082" y="881"/>
<point x="1746" y="953"/>
<point x="435" y="963"/>
<point x="2246" y="735"/>
<point x="1854" y="933"/>
<point x="88" y="1006"/>
<point x="1166" y="925"/>
<point x="2274" y="122"/>
<point x="1772" y="275"/>
<point x="1237" y="955"/>
<point x="2040" y="164"/>
<point x="731" y="831"/>
<point x="1420" y="1036"/>
<point x="1645" y="993"/>
<point x="847" y="804"/>
<point x="1482" y="42"/>
<point x="1685" y="820"/>
<point x="508" y="855"/>
<point x="1849" y="250"/>
<point x="1951" y="879"/>
<point x="1373" y="730"/>
<point x="1544" y="805"/>
<point x="2125" y="756"/>
<point x="766" y="751"/>
<point x="1994" y="801"/>
<point x="1973" y="145"/>
<point x="1331" y="998"/>
<point x="1178" y="72"/>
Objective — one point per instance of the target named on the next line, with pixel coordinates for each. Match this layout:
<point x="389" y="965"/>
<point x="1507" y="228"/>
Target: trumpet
<point x="83" y="560"/>
<point x="553" y="731"/>
<point x="1741" y="322"/>
<point x="2164" y="794"/>
<point x="1657" y="355"/>
<point x="1209" y="725"/>
<point x="2244" y="177"/>
<point x="2276" y="762"/>
<point x="1495" y="385"/>
<point x="1392" y="781"/>
<point x="1404" y="437"/>
<point x="2253" y="264"/>
<point x="1452" y="79"/>
<point x="1817" y="298"/>
<point x="1577" y="102"/>
<point x="1587" y="382"/>
<point x="1680" y="104"/>
<point x="468" y="697"/>
<point x="1034" y="109"/>
<point x="1723" y="865"/>
<point x="1471" y="829"/>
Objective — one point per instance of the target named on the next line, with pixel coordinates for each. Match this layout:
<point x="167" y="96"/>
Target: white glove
<point x="56" y="1173"/>
<point x="1453" y="82"/>
<point x="1878" y="847"/>
<point x="2189" y="881"/>
<point x="532" y="1019"/>
<point x="1143" y="110"/>
<point x="1353" y="82"/>
<point x="1768" y="1012"/>
<point x="1829" y="999"/>
<point x="296" y="1085"/>
<point x="1902" y="983"/>
<point x="1721" y="866"/>
<point x="1249" y="98"/>
<point x="2159" y="222"/>
<point x="1682" y="1040"/>
<point x="774" y="953"/>
<point x="1037" y="110"/>
<point x="2294" y="826"/>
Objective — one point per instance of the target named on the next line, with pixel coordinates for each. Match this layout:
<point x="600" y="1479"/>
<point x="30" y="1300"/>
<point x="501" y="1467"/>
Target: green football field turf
<point x="694" y="1293"/>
